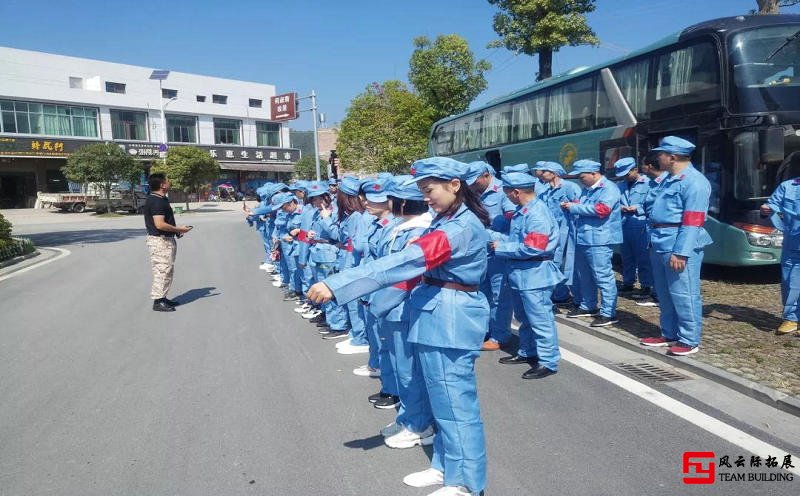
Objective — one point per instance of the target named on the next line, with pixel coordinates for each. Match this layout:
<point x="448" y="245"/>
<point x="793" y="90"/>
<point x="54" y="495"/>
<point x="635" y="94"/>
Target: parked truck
<point x="68" y="202"/>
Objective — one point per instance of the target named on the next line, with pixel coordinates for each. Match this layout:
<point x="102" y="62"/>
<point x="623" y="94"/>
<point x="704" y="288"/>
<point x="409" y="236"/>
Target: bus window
<point x="604" y="115"/>
<point x="527" y="119"/>
<point x="496" y="126"/>
<point x="443" y="139"/>
<point x="460" y="134"/>
<point x="687" y="76"/>
<point x="632" y="81"/>
<point x="571" y="108"/>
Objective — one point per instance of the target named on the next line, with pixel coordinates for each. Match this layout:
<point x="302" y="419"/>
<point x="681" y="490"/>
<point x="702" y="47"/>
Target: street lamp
<point x="160" y="75"/>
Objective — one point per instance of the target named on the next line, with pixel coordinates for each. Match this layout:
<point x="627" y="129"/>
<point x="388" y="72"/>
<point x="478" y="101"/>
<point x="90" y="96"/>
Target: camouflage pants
<point x="162" y="258"/>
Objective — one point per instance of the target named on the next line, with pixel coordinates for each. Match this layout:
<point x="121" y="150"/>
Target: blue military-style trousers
<point x="679" y="297"/>
<point x="335" y="314"/>
<point x="636" y="257"/>
<point x="385" y="345"/>
<point x="495" y="287"/>
<point x="459" y="447"/>
<point x="371" y="327"/>
<point x="564" y="256"/>
<point x="593" y="263"/>
<point x="537" y="330"/>
<point x="790" y="284"/>
<point x="415" y="409"/>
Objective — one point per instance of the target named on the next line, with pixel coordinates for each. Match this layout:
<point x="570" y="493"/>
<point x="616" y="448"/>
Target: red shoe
<point x="659" y="341"/>
<point x="681" y="349"/>
<point x="490" y="345"/>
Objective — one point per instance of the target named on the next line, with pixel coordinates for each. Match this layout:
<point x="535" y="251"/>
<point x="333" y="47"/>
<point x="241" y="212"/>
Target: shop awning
<point x="256" y="167"/>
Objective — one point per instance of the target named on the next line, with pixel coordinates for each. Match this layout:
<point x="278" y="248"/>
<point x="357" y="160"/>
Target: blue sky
<point x="334" y="47"/>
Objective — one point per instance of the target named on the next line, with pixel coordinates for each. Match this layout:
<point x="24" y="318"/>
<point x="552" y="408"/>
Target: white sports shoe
<point x="351" y="349"/>
<point x="266" y="266"/>
<point x="453" y="491"/>
<point x="276" y="277"/>
<point x="365" y="371"/>
<point x="311" y="313"/>
<point x="278" y="284"/>
<point x="408" y="439"/>
<point x="346" y="342"/>
<point x="304" y="308"/>
<point x="425" y="478"/>
<point x="391" y="429"/>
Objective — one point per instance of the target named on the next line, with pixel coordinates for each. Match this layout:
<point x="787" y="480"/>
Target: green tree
<point x="103" y="163"/>
<point x="188" y="168"/>
<point x="306" y="168"/>
<point x="773" y="6"/>
<point x="385" y="129"/>
<point x="445" y="74"/>
<point x="542" y="27"/>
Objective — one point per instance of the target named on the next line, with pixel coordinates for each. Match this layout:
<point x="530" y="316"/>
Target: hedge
<point x="15" y="248"/>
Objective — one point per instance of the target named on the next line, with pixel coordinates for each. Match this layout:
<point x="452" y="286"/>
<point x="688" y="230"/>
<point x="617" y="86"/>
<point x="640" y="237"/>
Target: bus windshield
<point x="764" y="83"/>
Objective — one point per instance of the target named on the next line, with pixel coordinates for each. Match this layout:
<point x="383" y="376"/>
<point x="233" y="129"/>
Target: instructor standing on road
<point x="161" y="231"/>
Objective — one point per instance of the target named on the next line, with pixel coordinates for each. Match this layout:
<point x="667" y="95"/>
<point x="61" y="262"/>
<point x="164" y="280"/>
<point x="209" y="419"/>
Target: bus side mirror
<point x="770" y="145"/>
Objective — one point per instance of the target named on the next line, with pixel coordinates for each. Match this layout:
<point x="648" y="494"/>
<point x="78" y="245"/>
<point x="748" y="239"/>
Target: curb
<point x="16" y="260"/>
<point x="759" y="392"/>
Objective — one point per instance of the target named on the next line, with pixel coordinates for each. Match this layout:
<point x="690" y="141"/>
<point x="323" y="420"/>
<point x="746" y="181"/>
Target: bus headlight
<point x="761" y="236"/>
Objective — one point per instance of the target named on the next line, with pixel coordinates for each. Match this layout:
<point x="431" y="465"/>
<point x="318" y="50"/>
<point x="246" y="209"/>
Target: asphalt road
<point x="233" y="394"/>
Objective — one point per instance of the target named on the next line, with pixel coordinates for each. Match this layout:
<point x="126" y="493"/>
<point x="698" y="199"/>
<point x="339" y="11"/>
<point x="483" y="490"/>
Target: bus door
<point x="615" y="149"/>
<point x="494" y="159"/>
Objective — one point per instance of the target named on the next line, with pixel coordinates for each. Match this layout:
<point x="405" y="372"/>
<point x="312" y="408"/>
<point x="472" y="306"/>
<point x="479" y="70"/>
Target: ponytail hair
<point x="347" y="204"/>
<point x="468" y="198"/>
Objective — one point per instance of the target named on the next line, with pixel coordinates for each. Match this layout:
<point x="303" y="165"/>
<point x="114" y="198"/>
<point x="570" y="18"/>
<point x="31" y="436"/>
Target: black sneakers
<point x="161" y="305"/>
<point x="378" y="396"/>
<point x="580" y="312"/>
<point x="603" y="321"/>
<point x="387" y="402"/>
<point x="335" y="334"/>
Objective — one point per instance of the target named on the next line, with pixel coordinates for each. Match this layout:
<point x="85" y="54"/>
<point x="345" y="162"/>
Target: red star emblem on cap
<point x="413" y="171"/>
<point x="525" y="210"/>
<point x="376" y="187"/>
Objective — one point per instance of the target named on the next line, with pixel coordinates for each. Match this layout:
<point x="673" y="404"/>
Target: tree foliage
<point x="542" y="27"/>
<point x="773" y="6"/>
<point x="103" y="163"/>
<point x="385" y="129"/>
<point x="445" y="75"/>
<point x="188" y="168"/>
<point x="306" y="168"/>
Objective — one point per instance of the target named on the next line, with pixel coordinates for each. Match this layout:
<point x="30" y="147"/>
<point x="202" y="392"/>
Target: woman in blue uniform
<point x="448" y="315"/>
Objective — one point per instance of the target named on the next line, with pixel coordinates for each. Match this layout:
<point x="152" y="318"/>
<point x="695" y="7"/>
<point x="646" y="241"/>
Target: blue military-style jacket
<point x="597" y="215"/>
<point x="530" y="246"/>
<point x="498" y="205"/>
<point x="292" y="223"/>
<point x="453" y="249"/>
<point x="785" y="205"/>
<point x="678" y="213"/>
<point x="323" y="247"/>
<point x="634" y="195"/>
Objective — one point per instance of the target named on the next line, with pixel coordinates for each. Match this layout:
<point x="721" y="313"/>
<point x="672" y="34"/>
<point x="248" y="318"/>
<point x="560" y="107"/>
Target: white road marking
<point x="682" y="410"/>
<point x="63" y="253"/>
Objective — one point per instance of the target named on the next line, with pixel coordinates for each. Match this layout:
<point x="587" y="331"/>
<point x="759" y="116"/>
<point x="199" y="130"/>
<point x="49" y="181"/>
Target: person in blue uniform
<point x="305" y="270"/>
<point x="482" y="182"/>
<point x="633" y="188"/>
<point x="414" y="422"/>
<point x="783" y="207"/>
<point x="291" y="206"/>
<point x="598" y="229"/>
<point x="560" y="191"/>
<point x="449" y="317"/>
<point x="541" y="184"/>
<point x="677" y="242"/>
<point x="654" y="176"/>
<point x="529" y="249"/>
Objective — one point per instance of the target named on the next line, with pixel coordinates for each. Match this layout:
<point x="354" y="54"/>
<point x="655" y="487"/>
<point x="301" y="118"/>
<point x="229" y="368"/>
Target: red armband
<point x="537" y="241"/>
<point x="602" y="210"/>
<point x="694" y="219"/>
<point x="435" y="247"/>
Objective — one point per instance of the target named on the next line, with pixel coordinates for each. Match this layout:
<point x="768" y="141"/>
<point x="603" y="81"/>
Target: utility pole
<point x="313" y="110"/>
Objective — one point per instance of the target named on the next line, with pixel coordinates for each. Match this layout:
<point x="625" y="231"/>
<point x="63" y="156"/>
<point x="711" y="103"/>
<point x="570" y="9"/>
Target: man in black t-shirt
<point x="161" y="232"/>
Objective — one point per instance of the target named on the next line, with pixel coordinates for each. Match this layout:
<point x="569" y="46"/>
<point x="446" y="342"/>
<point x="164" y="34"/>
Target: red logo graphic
<point x="693" y="467"/>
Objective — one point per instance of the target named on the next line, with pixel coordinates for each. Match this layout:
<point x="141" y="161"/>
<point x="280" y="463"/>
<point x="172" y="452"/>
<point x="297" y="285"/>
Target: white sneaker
<point x="278" y="284"/>
<point x="453" y="491"/>
<point x="425" y="478"/>
<point x="265" y="266"/>
<point x="346" y="342"/>
<point x="391" y="429"/>
<point x="276" y="277"/>
<point x="365" y="371"/>
<point x="351" y="349"/>
<point x="311" y="313"/>
<point x="304" y="308"/>
<point x="408" y="439"/>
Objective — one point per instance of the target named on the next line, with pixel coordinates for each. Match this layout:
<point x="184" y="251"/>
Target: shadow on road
<point x="366" y="443"/>
<point x="57" y="238"/>
<point x="195" y="294"/>
<point x="761" y="320"/>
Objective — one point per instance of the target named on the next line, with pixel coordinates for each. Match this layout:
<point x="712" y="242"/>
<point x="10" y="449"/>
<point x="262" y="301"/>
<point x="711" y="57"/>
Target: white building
<point x="52" y="104"/>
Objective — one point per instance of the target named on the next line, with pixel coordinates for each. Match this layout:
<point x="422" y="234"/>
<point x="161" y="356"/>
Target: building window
<point x="201" y="98"/>
<point x="128" y="125"/>
<point x="226" y="131"/>
<point x="255" y="103"/>
<point x="268" y="134"/>
<point x="115" y="87"/>
<point x="76" y="83"/>
<point x="222" y="99"/>
<point x="165" y="93"/>
<point x="47" y="119"/>
<point x="181" y="129"/>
